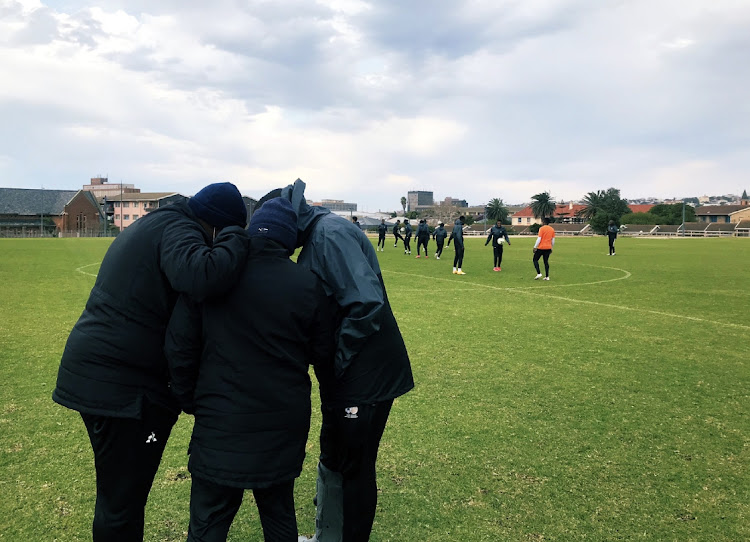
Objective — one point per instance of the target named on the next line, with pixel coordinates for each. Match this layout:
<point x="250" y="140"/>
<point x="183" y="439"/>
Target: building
<point x="565" y="213"/>
<point x="336" y="205"/>
<point x="26" y="212"/>
<point x="416" y="200"/>
<point x="454" y="202"/>
<point x="124" y="209"/>
<point x="724" y="213"/>
<point x="101" y="189"/>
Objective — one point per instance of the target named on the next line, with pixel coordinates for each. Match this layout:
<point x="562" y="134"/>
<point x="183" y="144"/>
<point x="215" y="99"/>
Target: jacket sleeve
<point x="505" y="233"/>
<point x="339" y="260"/>
<point x="487" y="242"/>
<point x="326" y="322"/>
<point x="197" y="269"/>
<point x="182" y="347"/>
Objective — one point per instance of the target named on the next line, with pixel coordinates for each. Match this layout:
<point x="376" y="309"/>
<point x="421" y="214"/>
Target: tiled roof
<point x="743" y="225"/>
<point x="695" y="226"/>
<point x="640" y="207"/>
<point x="719" y="210"/>
<point x="34" y="201"/>
<point x="141" y="196"/>
<point x="721" y="226"/>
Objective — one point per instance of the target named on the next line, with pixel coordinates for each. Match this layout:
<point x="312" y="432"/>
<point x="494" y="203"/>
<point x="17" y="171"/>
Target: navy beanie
<point x="276" y="220"/>
<point x="220" y="204"/>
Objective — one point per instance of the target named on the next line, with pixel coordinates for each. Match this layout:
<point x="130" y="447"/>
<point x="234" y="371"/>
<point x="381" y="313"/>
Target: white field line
<point x="81" y="269"/>
<point x="527" y="290"/>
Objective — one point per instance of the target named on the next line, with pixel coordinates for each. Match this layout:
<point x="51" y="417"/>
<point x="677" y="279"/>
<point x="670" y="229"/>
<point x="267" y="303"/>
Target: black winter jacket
<point x="114" y="356"/>
<point x="495" y="234"/>
<point x="371" y="362"/>
<point x="240" y="363"/>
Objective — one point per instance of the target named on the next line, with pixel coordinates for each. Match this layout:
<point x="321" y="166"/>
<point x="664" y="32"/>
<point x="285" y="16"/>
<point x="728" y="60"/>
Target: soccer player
<point x="543" y="248"/>
<point x="382" y="230"/>
<point x="397" y="233"/>
<point x="457" y="235"/>
<point x="439" y="236"/>
<point x="355" y="221"/>
<point x="612" y="230"/>
<point x="423" y="237"/>
<point x="113" y="370"/>
<point x="261" y="336"/>
<point x="497" y="232"/>
<point x="369" y="370"/>
<point x="407" y="236"/>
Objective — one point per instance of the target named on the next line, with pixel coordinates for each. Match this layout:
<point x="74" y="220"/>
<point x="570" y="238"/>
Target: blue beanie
<point x="276" y="220"/>
<point x="220" y="204"/>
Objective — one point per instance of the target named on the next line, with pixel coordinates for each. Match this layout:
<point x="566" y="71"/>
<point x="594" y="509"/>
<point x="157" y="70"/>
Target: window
<point x="713" y="219"/>
<point x="519" y="220"/>
<point x="528" y="220"/>
<point x="126" y="204"/>
<point x="117" y="204"/>
<point x="117" y="217"/>
<point x="126" y="217"/>
<point x="81" y="222"/>
<point x="135" y="217"/>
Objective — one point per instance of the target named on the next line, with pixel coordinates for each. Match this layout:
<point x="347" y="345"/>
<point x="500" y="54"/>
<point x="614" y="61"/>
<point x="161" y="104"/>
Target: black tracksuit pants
<point x="498" y="255"/>
<point x="612" y="244"/>
<point x="381" y="240"/>
<point x="542" y="253"/>
<point x="458" y="259"/>
<point x="127" y="453"/>
<point x="396" y="237"/>
<point x="349" y="445"/>
<point x="439" y="250"/>
<point x="213" y="508"/>
<point x="407" y="243"/>
<point x="422" y="241"/>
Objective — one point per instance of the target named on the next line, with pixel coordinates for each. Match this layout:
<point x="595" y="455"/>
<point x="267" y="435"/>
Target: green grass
<point x="610" y="403"/>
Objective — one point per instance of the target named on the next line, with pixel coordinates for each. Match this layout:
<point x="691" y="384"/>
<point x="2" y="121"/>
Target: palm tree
<point x="496" y="210"/>
<point x="542" y="205"/>
<point x="594" y="202"/>
<point x="403" y="203"/>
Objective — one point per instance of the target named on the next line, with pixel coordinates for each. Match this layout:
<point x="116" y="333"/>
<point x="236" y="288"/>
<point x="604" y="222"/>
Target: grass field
<point x="611" y="403"/>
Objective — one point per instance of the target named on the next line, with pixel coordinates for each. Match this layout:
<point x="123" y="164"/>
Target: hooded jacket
<point x="440" y="234"/>
<point x="114" y="356"/>
<point x="495" y="234"/>
<point x="371" y="363"/>
<point x="240" y="363"/>
<point x="457" y="235"/>
<point x="423" y="231"/>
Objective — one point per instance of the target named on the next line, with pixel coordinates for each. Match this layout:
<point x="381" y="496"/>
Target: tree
<point x="403" y="203"/>
<point x="603" y="206"/>
<point x="496" y="210"/>
<point x="593" y="201"/>
<point x="672" y="213"/>
<point x="640" y="218"/>
<point x="542" y="205"/>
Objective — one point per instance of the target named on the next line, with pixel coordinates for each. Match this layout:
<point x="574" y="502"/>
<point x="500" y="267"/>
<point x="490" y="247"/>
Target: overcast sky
<point x="365" y="101"/>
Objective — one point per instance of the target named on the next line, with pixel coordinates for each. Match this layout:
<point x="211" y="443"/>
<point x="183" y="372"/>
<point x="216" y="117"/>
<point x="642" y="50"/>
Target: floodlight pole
<point x="683" y="217"/>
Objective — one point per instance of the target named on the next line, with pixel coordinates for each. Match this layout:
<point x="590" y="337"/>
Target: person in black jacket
<point x="370" y="369"/>
<point x="499" y="236"/>
<point x="612" y="231"/>
<point x="423" y="237"/>
<point x="113" y="370"/>
<point x="439" y="236"/>
<point x="240" y="364"/>
<point x="407" y="236"/>
<point x="457" y="236"/>
<point x="382" y="230"/>
<point x="397" y="233"/>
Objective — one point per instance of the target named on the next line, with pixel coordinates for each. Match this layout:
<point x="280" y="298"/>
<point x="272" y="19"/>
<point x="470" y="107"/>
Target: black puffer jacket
<point x="114" y="356"/>
<point x="251" y="396"/>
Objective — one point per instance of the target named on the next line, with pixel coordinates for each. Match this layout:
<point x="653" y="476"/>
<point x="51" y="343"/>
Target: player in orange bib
<point x="543" y="248"/>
